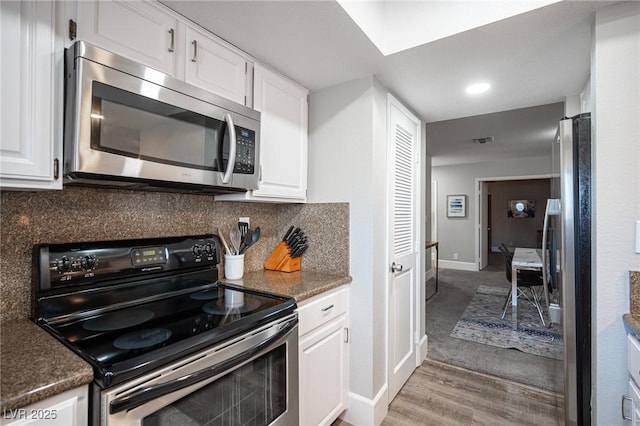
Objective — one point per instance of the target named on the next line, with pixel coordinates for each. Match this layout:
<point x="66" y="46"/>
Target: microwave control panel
<point x="245" y="151"/>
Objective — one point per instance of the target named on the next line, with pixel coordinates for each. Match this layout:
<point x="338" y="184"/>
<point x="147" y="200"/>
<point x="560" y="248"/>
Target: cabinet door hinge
<point x="73" y="29"/>
<point x="346" y="334"/>
<point x="56" y="169"/>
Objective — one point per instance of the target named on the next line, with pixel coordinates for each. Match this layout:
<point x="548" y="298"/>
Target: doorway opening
<point x="458" y="289"/>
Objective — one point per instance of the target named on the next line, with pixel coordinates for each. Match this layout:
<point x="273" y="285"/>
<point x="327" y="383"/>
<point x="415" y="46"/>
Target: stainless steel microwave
<point x="130" y="126"/>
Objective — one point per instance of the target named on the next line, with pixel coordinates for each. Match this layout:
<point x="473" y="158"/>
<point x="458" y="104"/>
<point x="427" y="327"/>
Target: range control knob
<point x="197" y="250"/>
<point x="64" y="264"/>
<point x="208" y="248"/>
<point x="90" y="262"/>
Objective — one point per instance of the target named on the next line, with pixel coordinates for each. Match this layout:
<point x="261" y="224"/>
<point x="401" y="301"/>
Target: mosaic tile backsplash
<point x="91" y="214"/>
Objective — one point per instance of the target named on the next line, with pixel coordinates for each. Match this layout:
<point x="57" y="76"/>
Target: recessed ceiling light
<point x="477" y="88"/>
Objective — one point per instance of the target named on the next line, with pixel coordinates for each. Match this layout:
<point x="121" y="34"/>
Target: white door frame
<point x="478" y="217"/>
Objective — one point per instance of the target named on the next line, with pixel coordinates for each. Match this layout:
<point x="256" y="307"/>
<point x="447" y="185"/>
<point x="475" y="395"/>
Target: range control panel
<point x="62" y="265"/>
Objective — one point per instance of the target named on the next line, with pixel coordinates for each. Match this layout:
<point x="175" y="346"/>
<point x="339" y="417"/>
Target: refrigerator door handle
<point x="553" y="209"/>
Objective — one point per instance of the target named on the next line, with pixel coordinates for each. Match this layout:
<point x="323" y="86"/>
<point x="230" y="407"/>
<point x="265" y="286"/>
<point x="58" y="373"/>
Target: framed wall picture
<point x="456" y="206"/>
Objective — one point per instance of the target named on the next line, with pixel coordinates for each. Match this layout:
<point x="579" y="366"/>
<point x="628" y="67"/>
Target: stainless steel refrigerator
<point x="567" y="260"/>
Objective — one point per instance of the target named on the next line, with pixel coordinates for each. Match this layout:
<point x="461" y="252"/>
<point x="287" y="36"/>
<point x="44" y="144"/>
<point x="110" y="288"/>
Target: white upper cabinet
<point x="213" y="67"/>
<point x="138" y="30"/>
<point x="31" y="102"/>
<point x="153" y="35"/>
<point x="283" y="139"/>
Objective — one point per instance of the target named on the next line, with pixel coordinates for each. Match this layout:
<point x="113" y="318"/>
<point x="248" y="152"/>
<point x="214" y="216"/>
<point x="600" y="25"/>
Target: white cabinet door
<point x="283" y="139"/>
<point x="213" y="67"/>
<point x="323" y="375"/>
<point x="138" y="30"/>
<point x="31" y="105"/>
<point x="69" y="408"/>
<point x="323" y="357"/>
<point x="635" y="403"/>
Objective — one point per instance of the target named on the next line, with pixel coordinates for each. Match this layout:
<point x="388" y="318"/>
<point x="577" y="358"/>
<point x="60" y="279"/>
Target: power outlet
<point x="455" y="256"/>
<point x="245" y="220"/>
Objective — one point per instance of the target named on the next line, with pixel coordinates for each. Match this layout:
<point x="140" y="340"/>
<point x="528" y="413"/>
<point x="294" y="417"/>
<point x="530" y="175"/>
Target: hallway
<point x="455" y="291"/>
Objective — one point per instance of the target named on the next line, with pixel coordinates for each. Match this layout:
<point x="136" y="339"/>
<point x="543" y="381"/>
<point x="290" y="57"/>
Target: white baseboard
<point x="423" y="348"/>
<point x="461" y="266"/>
<point x="431" y="273"/>
<point x="365" y="411"/>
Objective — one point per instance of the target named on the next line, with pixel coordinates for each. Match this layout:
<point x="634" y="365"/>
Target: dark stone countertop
<point x="632" y="324"/>
<point x="35" y="365"/>
<point x="632" y="319"/>
<point x="300" y="285"/>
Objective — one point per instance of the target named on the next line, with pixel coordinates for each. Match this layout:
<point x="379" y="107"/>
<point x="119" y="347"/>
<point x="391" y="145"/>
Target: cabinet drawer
<point x="633" y="358"/>
<point x="321" y="309"/>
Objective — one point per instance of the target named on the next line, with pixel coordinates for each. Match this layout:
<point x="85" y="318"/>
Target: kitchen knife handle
<point x="286" y="235"/>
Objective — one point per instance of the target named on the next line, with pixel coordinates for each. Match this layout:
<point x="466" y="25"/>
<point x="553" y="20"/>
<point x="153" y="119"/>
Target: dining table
<point x="523" y="259"/>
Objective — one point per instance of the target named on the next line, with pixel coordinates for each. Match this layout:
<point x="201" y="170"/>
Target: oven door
<point x="127" y="127"/>
<point x="251" y="379"/>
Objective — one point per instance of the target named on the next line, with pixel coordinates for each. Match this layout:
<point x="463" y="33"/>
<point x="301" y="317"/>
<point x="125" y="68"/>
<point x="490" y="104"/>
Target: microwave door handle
<point x="226" y="178"/>
<point x="146" y="394"/>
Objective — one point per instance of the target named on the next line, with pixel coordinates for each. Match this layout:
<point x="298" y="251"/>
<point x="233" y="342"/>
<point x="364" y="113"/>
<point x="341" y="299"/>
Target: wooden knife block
<point x="280" y="260"/>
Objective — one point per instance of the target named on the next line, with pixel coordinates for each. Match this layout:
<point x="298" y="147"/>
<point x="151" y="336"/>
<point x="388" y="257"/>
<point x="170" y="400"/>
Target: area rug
<point x="481" y="323"/>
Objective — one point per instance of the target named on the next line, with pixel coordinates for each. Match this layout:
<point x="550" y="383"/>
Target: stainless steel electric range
<point x="169" y="343"/>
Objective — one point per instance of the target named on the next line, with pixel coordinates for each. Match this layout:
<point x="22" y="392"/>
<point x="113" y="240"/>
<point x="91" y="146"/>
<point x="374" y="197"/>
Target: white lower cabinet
<point x="635" y="403"/>
<point x="69" y="408"/>
<point x="324" y="358"/>
<point x="633" y="366"/>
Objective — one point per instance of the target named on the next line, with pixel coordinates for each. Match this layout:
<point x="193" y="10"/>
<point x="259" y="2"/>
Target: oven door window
<point x="253" y="394"/>
<point x="136" y="126"/>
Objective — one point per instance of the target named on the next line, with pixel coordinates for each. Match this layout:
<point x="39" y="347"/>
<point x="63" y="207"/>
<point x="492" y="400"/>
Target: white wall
<point x="348" y="157"/>
<point x="457" y="235"/>
<point x="347" y="145"/>
<point x="616" y="156"/>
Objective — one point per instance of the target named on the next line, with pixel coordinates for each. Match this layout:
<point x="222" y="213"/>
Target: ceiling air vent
<point x="482" y="141"/>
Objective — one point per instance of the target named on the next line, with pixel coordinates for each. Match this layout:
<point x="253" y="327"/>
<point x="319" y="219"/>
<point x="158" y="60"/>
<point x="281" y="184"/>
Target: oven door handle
<point x="149" y="393"/>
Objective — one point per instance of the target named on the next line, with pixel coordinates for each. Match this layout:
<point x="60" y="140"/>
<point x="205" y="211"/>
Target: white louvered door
<point x="403" y="139"/>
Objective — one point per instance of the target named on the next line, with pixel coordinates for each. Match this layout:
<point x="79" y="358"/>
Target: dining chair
<point x="530" y="284"/>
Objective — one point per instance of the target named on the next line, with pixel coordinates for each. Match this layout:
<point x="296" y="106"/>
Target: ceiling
<point x="524" y="132"/>
<point x="534" y="58"/>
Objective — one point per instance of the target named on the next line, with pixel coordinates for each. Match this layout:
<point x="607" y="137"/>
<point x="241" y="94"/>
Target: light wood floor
<point x="440" y="394"/>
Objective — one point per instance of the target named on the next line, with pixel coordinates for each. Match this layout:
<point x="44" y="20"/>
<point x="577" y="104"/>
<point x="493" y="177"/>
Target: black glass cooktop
<point x="122" y="343"/>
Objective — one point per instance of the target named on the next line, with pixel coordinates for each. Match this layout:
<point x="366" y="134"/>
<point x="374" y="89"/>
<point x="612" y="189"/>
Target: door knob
<point x="396" y="267"/>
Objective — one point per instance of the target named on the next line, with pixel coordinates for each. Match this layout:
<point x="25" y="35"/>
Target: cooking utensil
<point x="250" y="239"/>
<point x="224" y="242"/>
<point x="244" y="228"/>
<point x="235" y="239"/>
